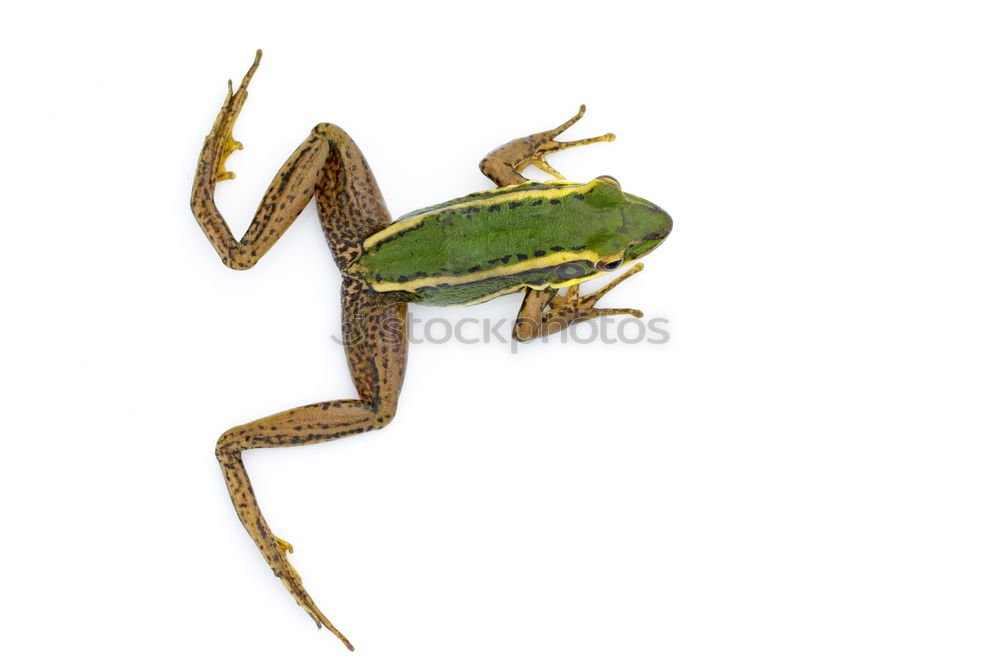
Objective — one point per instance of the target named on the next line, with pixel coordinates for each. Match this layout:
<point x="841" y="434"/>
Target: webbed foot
<point x="289" y="576"/>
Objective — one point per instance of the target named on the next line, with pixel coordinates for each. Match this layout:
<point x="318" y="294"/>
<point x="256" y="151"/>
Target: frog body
<point x="535" y="235"/>
<point x="523" y="236"/>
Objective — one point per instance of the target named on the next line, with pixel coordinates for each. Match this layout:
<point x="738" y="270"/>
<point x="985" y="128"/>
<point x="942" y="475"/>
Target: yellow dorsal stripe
<point x="551" y="259"/>
<point x="500" y="198"/>
<point x="516" y="288"/>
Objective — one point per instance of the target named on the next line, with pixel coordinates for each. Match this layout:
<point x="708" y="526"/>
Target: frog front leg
<point x="504" y="164"/>
<point x="544" y="312"/>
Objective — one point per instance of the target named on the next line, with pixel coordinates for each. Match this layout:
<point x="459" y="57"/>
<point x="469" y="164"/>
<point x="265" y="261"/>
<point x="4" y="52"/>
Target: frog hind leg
<point x="503" y="165"/>
<point x="375" y="342"/>
<point x="290" y="190"/>
<point x="327" y="165"/>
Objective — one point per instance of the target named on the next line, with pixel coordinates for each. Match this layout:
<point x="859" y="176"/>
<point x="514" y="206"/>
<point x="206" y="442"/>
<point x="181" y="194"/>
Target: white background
<point x="806" y="474"/>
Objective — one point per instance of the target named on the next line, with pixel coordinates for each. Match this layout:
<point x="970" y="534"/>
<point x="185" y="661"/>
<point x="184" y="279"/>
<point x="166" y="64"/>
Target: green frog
<point x="523" y="236"/>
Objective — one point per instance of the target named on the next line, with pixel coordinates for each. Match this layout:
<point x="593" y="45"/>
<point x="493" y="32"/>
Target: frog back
<point x="473" y="248"/>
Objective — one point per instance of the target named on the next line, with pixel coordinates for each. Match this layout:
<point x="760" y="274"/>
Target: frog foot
<point x="543" y="143"/>
<point x="229" y="146"/>
<point x="221" y="137"/>
<point x="293" y="582"/>
<point x="575" y="308"/>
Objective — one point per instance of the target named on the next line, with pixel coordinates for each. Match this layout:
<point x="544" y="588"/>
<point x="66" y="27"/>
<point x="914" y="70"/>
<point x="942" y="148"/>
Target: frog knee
<point x="384" y="415"/>
<point x="229" y="443"/>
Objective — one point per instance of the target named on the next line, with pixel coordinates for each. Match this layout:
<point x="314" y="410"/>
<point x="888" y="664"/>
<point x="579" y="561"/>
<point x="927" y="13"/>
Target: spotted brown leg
<point x="292" y="188"/>
<point x="545" y="312"/>
<point x="503" y="165"/>
<point x="328" y="166"/>
<point x="375" y="340"/>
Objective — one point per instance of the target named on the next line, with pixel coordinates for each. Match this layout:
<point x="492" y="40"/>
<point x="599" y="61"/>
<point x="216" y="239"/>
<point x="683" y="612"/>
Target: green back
<point x="488" y="243"/>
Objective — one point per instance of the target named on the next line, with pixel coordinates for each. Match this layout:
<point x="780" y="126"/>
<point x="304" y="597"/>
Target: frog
<point x="524" y="236"/>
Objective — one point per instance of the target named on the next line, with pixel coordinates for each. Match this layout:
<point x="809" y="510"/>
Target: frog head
<point x="644" y="225"/>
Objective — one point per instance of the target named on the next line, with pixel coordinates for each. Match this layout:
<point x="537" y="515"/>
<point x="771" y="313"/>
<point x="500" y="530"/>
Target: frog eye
<point x="610" y="180"/>
<point x="611" y="262"/>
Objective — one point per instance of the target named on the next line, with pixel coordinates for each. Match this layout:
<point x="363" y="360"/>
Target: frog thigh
<point x="350" y="203"/>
